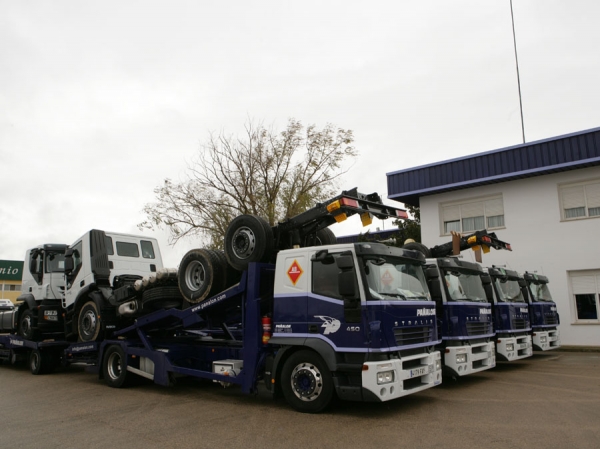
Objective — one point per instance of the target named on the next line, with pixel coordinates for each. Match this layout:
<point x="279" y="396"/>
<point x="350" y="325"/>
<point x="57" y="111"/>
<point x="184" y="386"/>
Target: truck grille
<point x="479" y="328"/>
<point x="412" y="335"/>
<point x="519" y="323"/>
<point x="551" y="320"/>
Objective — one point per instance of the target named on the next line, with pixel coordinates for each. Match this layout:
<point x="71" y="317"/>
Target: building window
<point x="585" y="287"/>
<point x="469" y="216"/>
<point x="580" y="200"/>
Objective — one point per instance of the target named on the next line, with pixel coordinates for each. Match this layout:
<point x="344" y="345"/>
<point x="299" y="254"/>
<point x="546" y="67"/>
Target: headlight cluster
<point x="461" y="358"/>
<point x="510" y="347"/>
<point x="543" y="339"/>
<point x="438" y="364"/>
<point x="385" y="377"/>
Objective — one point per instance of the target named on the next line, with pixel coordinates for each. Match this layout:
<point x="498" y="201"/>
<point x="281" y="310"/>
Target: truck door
<point x="331" y="315"/>
<point x="75" y="278"/>
<point x="34" y="281"/>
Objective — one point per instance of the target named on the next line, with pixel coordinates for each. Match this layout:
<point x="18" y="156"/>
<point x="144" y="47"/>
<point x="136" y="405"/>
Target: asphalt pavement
<point x="551" y="400"/>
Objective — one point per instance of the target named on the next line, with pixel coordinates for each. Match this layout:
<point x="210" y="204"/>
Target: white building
<point x="541" y="197"/>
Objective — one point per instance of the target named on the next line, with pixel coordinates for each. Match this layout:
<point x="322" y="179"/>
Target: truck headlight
<point x="385" y="377"/>
<point x="461" y="358"/>
<point x="510" y="347"/>
<point x="438" y="364"/>
<point x="543" y="339"/>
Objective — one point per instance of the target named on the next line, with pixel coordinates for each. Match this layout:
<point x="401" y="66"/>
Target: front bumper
<point x="546" y="340"/>
<point x="477" y="357"/>
<point x="513" y="348"/>
<point x="394" y="378"/>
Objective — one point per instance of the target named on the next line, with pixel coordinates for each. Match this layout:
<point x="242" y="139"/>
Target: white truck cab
<point x="84" y="289"/>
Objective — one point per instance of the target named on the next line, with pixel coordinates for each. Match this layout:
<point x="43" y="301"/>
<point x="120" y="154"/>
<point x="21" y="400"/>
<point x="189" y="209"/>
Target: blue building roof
<point x="557" y="154"/>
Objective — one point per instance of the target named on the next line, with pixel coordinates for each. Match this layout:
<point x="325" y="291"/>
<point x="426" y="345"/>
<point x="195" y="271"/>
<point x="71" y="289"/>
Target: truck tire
<point x="200" y="275"/>
<point x="416" y="246"/>
<point x="40" y="362"/>
<point x="232" y="276"/>
<point x="306" y="382"/>
<point x="25" y="327"/>
<point x="161" y="297"/>
<point x="88" y="322"/>
<point x="114" y="367"/>
<point x="248" y="239"/>
<point x="324" y="236"/>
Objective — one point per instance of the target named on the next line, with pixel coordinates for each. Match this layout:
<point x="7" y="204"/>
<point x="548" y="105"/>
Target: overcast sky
<point x="100" y="101"/>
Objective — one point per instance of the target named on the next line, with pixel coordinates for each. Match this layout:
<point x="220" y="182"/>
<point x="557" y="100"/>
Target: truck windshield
<point x="396" y="279"/>
<point x="540" y="292"/>
<point x="464" y="286"/>
<point x="55" y="263"/>
<point x="509" y="291"/>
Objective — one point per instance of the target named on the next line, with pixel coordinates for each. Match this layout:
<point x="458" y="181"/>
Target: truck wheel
<point x="200" y="275"/>
<point x="324" y="236"/>
<point x="37" y="362"/>
<point x="232" y="276"/>
<point x="248" y="239"/>
<point x="416" y="246"/>
<point x="25" y="328"/>
<point x="306" y="382"/>
<point x="88" y="322"/>
<point x="161" y="297"/>
<point x="114" y="367"/>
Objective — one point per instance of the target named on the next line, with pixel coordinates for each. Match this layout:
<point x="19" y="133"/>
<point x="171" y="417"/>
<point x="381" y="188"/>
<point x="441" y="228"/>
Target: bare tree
<point x="273" y="175"/>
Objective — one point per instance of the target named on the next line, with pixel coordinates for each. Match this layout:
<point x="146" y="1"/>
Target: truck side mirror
<point x="346" y="284"/>
<point x="431" y="273"/>
<point x="33" y="265"/>
<point x="347" y="289"/>
<point x="322" y="256"/>
<point x="434" y="288"/>
<point x="69" y="264"/>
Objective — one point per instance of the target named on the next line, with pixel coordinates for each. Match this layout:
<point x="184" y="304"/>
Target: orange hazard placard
<point x="294" y="272"/>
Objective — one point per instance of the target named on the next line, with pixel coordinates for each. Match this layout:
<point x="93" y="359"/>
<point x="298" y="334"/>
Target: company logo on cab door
<point x="294" y="272"/>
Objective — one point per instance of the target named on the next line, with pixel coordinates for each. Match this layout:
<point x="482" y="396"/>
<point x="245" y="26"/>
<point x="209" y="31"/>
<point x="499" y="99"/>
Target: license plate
<point x="419" y="371"/>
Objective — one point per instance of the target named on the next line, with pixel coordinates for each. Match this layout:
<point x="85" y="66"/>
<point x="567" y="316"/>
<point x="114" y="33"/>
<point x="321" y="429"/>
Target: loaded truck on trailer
<point x="317" y="322"/>
<point x="510" y="313"/>
<point x="96" y="294"/>
<point x="542" y="312"/>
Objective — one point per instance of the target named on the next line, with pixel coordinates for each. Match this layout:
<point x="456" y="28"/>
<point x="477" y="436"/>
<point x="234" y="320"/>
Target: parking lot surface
<point x="551" y="400"/>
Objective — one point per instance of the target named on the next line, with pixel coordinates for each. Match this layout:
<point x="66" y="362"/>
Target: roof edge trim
<point x="491" y="179"/>
<point x="470" y="156"/>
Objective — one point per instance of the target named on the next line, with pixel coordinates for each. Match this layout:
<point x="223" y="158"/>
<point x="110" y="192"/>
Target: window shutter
<point x="583" y="284"/>
<point x="470" y="210"/>
<point x="494" y="207"/>
<point x="592" y="192"/>
<point x="451" y="213"/>
<point x="573" y="197"/>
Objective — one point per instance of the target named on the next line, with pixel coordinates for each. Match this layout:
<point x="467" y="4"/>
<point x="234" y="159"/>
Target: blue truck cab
<point x="510" y="313"/>
<point x="365" y="310"/>
<point x="464" y="316"/>
<point x="542" y="310"/>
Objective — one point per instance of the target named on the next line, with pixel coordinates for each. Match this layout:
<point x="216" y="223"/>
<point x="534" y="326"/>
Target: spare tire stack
<point x="249" y="238"/>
